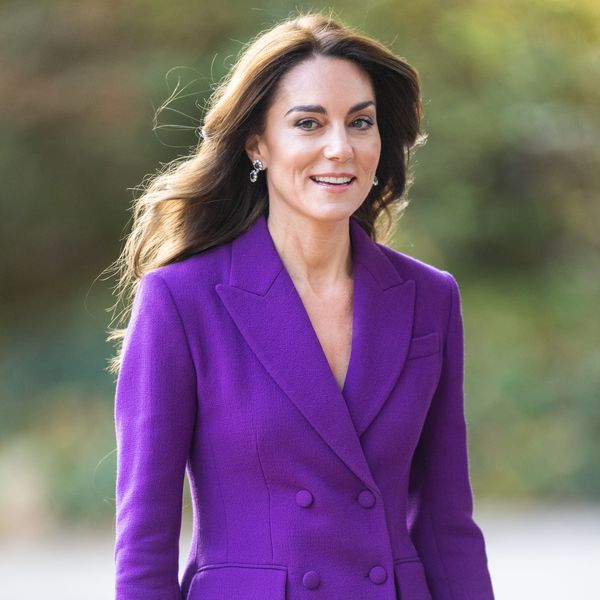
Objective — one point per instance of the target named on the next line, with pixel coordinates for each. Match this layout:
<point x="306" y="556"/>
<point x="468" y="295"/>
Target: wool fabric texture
<point x="300" y="490"/>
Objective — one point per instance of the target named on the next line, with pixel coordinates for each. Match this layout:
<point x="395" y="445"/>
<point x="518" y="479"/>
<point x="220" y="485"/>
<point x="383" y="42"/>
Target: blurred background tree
<point x="97" y="94"/>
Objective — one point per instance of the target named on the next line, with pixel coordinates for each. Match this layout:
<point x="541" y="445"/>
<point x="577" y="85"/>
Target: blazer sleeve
<point x="440" y="510"/>
<point x="155" y="411"/>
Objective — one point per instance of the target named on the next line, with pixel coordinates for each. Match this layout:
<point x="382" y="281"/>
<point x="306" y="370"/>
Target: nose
<point x="338" y="146"/>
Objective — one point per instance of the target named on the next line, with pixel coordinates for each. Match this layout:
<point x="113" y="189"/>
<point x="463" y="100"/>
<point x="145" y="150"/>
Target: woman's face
<point x="321" y="123"/>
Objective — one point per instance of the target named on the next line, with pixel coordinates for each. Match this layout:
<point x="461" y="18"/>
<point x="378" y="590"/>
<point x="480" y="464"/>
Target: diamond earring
<point x="258" y="166"/>
<point x="375" y="180"/>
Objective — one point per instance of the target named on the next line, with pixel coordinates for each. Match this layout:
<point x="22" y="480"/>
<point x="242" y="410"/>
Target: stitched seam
<point x="451" y="285"/>
<point x="406" y="559"/>
<point x="413" y="356"/>
<point x="190" y="358"/>
<point x="435" y="539"/>
<point x="183" y="328"/>
<point x="416" y="352"/>
<point x="242" y="566"/>
<point x="268" y="490"/>
<point x="189" y="351"/>
<point x="216" y="468"/>
<point x="427" y="479"/>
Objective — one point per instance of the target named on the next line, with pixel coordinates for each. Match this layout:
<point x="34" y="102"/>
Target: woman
<point x="308" y="378"/>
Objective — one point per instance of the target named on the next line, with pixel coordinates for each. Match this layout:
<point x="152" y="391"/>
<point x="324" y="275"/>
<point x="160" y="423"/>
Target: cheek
<point x="294" y="157"/>
<point x="369" y="151"/>
<point x="374" y="149"/>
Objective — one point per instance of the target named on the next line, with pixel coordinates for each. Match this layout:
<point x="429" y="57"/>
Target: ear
<point x="252" y="147"/>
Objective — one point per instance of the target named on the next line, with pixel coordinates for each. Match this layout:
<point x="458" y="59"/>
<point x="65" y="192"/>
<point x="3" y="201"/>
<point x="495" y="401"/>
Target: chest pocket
<point x="239" y="580"/>
<point x="424" y="345"/>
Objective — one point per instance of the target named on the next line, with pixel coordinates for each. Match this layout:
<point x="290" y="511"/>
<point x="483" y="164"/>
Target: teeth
<point x="333" y="179"/>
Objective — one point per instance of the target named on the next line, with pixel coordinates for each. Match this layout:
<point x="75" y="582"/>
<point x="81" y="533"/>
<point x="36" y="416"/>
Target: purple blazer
<point x="300" y="491"/>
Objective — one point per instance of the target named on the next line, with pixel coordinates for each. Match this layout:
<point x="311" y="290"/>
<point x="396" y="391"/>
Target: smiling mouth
<point x="333" y="184"/>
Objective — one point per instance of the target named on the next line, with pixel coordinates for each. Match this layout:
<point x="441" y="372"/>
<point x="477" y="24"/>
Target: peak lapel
<point x="383" y="321"/>
<point x="269" y="313"/>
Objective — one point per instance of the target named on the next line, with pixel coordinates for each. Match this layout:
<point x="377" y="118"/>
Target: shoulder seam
<point x="451" y="283"/>
<point x="181" y="322"/>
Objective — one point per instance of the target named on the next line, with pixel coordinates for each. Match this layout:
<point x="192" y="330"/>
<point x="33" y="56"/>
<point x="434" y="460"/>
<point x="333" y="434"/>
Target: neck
<point x="316" y="254"/>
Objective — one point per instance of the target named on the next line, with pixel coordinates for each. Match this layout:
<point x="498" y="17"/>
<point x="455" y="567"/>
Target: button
<point x="366" y="498"/>
<point x="311" y="580"/>
<point x="304" y="498"/>
<point x="377" y="574"/>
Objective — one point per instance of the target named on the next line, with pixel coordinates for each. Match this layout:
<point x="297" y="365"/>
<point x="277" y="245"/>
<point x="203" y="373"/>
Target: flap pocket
<point x="424" y="345"/>
<point x="410" y="579"/>
<point x="239" y="580"/>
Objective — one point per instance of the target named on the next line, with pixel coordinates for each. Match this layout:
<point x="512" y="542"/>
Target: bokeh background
<point x="96" y="94"/>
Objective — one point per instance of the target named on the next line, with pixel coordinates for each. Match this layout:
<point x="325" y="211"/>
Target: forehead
<point x="325" y="80"/>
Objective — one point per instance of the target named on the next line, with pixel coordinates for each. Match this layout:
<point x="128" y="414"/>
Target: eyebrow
<point x="317" y="108"/>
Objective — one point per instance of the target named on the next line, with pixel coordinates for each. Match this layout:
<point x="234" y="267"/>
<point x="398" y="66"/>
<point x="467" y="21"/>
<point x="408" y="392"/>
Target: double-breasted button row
<point x="366" y="499"/>
<point x="311" y="579"/>
<point x="304" y="498"/>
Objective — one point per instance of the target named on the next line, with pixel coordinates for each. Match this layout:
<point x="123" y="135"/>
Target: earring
<point x="375" y="180"/>
<point x="258" y="166"/>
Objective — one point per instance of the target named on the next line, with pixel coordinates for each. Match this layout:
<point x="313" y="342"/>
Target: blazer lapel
<point x="382" y="329"/>
<point x="269" y="313"/>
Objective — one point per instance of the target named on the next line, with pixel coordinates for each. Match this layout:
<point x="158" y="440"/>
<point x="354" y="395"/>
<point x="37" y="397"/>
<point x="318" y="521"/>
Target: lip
<point x="333" y="175"/>
<point x="333" y="188"/>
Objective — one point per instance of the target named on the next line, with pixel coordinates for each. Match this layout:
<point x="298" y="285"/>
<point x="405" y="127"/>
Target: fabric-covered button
<point x="304" y="498"/>
<point x="311" y="580"/>
<point x="366" y="498"/>
<point x="377" y="574"/>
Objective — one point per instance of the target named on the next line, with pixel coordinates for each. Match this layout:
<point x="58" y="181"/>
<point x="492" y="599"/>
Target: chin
<point x="331" y="214"/>
<point x="340" y="211"/>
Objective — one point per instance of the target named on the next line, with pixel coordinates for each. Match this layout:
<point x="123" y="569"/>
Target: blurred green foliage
<point x="505" y="198"/>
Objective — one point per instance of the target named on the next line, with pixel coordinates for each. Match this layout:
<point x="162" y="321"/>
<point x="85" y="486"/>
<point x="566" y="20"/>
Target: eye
<point x="368" y="123"/>
<point x="304" y="121"/>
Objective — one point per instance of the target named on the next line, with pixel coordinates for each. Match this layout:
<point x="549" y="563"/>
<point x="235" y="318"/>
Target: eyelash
<point x="367" y="121"/>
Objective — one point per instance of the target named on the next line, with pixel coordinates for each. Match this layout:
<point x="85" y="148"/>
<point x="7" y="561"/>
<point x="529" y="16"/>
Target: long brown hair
<point x="206" y="199"/>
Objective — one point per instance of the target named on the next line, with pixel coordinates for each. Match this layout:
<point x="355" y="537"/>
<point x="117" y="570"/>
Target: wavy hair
<point x="205" y="199"/>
